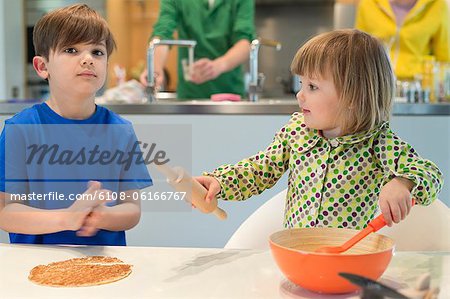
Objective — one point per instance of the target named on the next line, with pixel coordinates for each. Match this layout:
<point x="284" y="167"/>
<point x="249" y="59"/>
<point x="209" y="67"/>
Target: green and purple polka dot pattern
<point x="332" y="182"/>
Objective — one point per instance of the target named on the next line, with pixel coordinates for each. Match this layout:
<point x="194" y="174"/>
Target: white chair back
<point x="254" y="232"/>
<point x="425" y="228"/>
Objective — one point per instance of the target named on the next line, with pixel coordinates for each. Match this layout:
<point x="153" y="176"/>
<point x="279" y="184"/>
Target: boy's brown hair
<point x="68" y="26"/>
<point x="360" y="69"/>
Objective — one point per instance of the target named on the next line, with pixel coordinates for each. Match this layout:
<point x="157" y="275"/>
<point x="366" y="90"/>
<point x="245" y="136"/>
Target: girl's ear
<point x="40" y="65"/>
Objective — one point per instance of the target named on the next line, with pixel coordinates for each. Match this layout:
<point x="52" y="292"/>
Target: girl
<point x="343" y="159"/>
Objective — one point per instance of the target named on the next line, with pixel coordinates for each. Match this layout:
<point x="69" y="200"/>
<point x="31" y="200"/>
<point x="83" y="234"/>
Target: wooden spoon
<point x="373" y="226"/>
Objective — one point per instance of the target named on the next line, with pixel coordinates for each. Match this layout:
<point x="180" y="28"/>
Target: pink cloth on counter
<point x="225" y="97"/>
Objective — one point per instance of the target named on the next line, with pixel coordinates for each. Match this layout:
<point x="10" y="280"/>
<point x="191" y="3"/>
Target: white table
<point x="193" y="273"/>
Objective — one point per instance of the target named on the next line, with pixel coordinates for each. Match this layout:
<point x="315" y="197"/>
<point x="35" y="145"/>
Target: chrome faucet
<point x="257" y="79"/>
<point x="151" y="88"/>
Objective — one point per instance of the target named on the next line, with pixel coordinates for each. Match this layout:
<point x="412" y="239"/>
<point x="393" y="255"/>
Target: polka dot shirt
<point x="332" y="182"/>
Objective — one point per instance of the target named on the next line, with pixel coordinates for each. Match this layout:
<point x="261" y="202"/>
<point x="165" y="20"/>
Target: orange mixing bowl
<point x="293" y="250"/>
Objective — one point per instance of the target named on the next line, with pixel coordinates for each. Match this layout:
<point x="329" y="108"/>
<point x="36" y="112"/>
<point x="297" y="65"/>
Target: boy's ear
<point x="40" y="65"/>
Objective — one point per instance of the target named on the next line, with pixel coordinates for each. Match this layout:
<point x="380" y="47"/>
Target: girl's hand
<point x="211" y="184"/>
<point x="395" y="200"/>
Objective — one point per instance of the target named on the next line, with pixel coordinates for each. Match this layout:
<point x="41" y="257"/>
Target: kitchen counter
<point x="267" y="107"/>
<point x="195" y="273"/>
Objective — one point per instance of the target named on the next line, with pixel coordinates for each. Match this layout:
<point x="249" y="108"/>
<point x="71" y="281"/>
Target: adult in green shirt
<point x="223" y="30"/>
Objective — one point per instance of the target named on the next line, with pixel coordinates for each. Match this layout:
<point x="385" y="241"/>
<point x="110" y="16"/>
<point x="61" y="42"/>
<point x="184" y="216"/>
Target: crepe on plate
<point x="80" y="272"/>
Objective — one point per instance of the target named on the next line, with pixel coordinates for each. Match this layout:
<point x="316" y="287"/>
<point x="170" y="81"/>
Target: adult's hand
<point x="159" y="79"/>
<point x="205" y="70"/>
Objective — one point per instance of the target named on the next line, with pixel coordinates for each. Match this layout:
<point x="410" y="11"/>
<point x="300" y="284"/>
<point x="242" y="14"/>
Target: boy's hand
<point x="92" y="222"/>
<point x="79" y="210"/>
<point x="211" y="184"/>
<point x="395" y="200"/>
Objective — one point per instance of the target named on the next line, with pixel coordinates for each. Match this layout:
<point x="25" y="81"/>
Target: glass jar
<point x="445" y="86"/>
<point x="429" y="76"/>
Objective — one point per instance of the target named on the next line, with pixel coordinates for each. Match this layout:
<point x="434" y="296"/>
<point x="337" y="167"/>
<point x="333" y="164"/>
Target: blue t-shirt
<point x="42" y="153"/>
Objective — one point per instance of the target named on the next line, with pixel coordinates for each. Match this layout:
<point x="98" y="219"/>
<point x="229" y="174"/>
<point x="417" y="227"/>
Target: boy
<point x="60" y="193"/>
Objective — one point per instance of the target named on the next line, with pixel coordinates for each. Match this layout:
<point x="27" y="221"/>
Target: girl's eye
<point x="98" y="52"/>
<point x="70" y="50"/>
<point x="312" y="87"/>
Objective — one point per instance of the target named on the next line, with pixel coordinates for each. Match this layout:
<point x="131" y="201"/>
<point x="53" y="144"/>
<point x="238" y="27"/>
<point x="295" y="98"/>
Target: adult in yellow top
<point x="411" y="29"/>
<point x="223" y="30"/>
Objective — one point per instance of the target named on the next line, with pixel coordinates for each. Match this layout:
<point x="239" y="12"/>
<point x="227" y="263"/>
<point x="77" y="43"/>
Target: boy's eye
<point x="70" y="50"/>
<point x="98" y="52"/>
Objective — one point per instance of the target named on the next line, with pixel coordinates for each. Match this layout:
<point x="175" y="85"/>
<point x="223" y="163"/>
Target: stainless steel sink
<point x="277" y="101"/>
<point x="171" y="97"/>
<point x="166" y="96"/>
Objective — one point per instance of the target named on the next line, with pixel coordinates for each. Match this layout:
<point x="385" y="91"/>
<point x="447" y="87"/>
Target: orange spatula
<point x="372" y="227"/>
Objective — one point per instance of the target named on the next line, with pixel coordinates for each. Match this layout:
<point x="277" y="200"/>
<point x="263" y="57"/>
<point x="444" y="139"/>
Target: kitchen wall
<point x="132" y="23"/>
<point x="291" y="24"/>
<point x="12" y="69"/>
<point x="33" y="11"/>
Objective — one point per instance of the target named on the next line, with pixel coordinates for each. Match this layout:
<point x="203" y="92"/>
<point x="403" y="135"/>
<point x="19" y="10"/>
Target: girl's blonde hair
<point x="360" y="69"/>
<point x="69" y="26"/>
